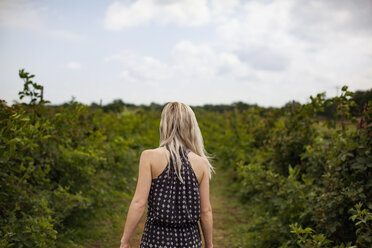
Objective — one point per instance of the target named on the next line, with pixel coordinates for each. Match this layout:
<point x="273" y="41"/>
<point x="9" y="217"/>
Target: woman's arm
<point x="138" y="203"/>
<point x="206" y="208"/>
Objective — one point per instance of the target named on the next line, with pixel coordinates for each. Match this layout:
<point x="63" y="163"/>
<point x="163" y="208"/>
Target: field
<point x="286" y="177"/>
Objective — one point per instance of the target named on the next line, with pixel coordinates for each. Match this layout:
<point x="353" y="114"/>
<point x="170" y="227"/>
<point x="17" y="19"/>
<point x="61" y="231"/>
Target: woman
<point x="174" y="178"/>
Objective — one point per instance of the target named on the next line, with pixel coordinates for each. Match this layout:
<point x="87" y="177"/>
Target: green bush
<point x="60" y="165"/>
<point x="289" y="166"/>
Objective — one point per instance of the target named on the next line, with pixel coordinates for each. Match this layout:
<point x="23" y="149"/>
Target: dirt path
<point x="228" y="216"/>
<point x="136" y="239"/>
<point x="229" y="221"/>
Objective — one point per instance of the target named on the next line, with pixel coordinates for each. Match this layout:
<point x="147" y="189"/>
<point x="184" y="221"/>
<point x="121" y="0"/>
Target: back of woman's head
<point x="178" y="129"/>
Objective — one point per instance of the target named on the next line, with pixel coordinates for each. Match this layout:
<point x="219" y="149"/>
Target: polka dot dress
<point x="173" y="209"/>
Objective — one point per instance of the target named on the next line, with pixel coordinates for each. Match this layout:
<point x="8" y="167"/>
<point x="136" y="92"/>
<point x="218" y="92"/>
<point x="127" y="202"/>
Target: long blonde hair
<point x="179" y="129"/>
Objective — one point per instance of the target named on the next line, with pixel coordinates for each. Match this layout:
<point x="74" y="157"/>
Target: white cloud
<point x="261" y="51"/>
<point x="261" y="54"/>
<point x="73" y="65"/>
<point x="138" y="69"/>
<point x="300" y="45"/>
<point x="325" y="21"/>
<point x="124" y="14"/>
<point x="20" y="14"/>
<point x="257" y="24"/>
<point x="121" y="15"/>
<point x="222" y="10"/>
<point x="193" y="72"/>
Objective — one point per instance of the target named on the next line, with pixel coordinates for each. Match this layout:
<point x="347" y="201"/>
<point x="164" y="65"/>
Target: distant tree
<point x="116" y="106"/>
<point x="291" y="106"/>
<point x="155" y="106"/>
<point x="94" y="105"/>
<point x="243" y="106"/>
<point x="361" y="98"/>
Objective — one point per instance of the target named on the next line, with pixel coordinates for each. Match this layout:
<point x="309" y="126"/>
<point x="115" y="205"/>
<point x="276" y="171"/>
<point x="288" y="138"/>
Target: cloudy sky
<point x="194" y="51"/>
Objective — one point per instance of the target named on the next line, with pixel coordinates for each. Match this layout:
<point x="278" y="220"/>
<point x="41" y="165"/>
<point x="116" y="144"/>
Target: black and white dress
<point x="173" y="209"/>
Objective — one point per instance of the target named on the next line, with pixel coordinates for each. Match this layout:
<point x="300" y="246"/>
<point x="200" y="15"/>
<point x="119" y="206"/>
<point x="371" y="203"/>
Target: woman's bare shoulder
<point x="157" y="151"/>
<point x="199" y="163"/>
<point x="156" y="154"/>
<point x="197" y="158"/>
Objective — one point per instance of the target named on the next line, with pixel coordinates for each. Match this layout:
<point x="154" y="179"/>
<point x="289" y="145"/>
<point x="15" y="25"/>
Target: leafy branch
<point x="31" y="89"/>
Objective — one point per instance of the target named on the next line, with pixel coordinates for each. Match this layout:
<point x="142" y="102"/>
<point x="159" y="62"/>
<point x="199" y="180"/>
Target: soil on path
<point x="229" y="215"/>
<point x="229" y="218"/>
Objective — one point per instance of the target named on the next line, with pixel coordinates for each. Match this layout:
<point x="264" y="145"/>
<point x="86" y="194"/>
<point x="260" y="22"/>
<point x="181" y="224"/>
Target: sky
<point x="265" y="52"/>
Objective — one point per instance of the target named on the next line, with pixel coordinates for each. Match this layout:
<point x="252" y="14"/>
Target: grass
<point x="105" y="230"/>
<point x="229" y="220"/>
<point x="229" y="214"/>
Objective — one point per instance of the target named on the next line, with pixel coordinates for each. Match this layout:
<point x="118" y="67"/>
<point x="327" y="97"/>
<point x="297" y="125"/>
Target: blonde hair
<point x="179" y="129"/>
